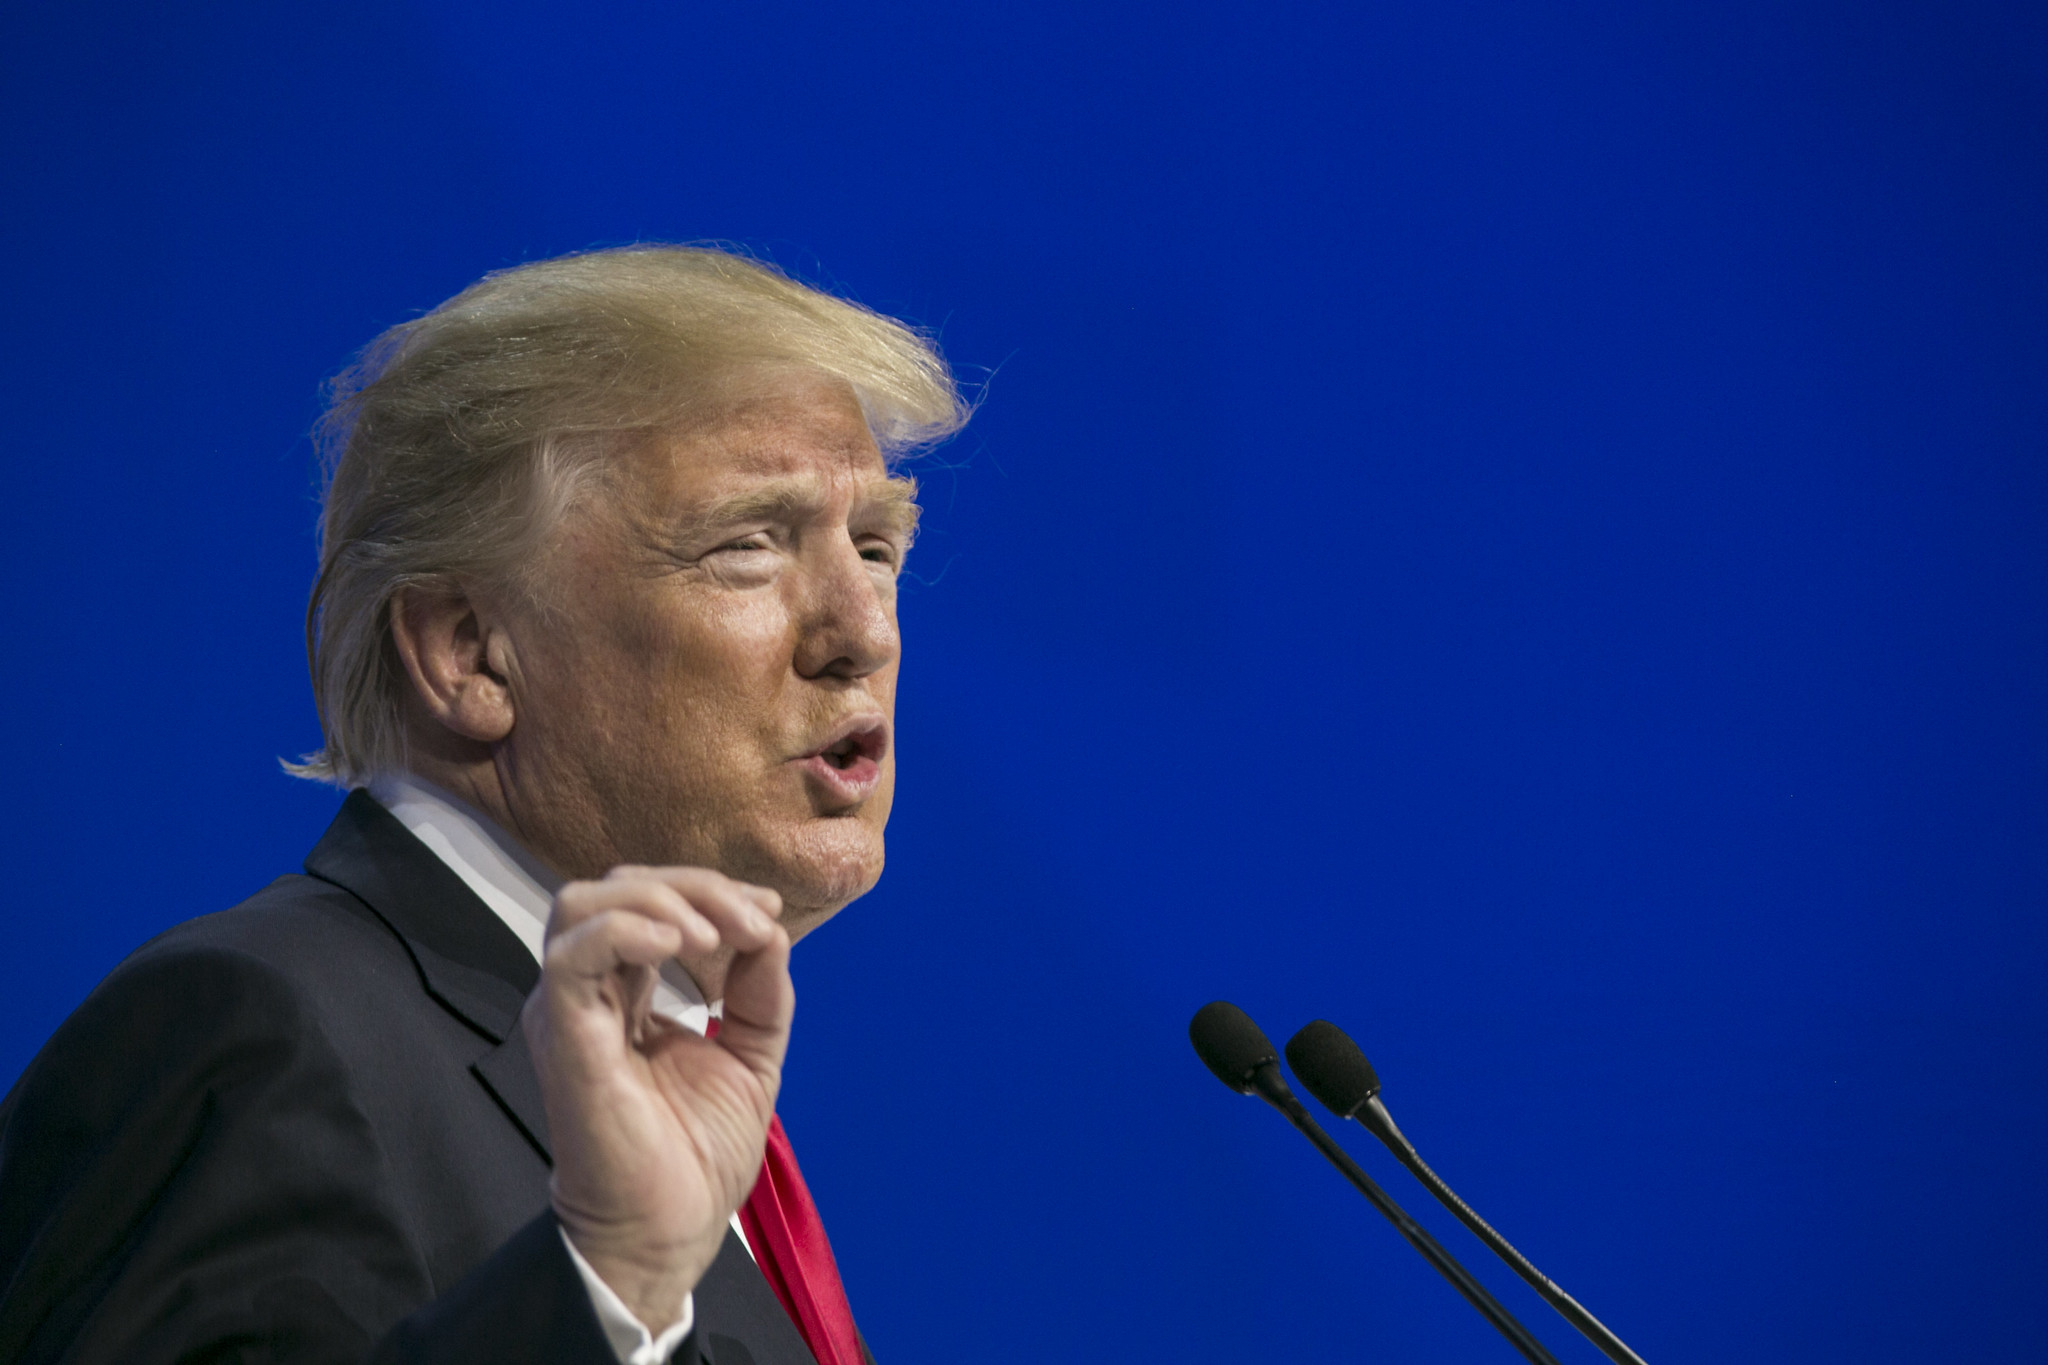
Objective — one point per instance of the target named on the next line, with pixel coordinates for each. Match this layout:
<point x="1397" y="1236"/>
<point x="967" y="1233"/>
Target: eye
<point x="881" y="552"/>
<point x="748" y="558"/>
<point x="745" y="543"/>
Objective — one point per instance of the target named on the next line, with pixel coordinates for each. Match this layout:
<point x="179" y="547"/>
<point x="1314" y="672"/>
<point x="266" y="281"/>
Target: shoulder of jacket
<point x="292" y="926"/>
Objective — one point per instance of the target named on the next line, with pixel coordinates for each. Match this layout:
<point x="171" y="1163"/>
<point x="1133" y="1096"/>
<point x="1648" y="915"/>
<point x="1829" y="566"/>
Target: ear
<point x="460" y="662"/>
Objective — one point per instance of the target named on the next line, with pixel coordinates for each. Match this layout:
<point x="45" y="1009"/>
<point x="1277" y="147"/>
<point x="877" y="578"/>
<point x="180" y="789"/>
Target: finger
<point x="581" y="959"/>
<point x="580" y="901"/>
<point x="760" y="1002"/>
<point x="589" y="1014"/>
<point x="743" y="918"/>
<point x="701" y="881"/>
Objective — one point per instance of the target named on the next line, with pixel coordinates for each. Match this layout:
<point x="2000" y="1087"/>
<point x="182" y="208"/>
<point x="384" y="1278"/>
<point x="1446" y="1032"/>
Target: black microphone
<point x="1336" y="1072"/>
<point x="1242" y="1057"/>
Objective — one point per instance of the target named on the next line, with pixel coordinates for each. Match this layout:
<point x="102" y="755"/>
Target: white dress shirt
<point x="521" y="892"/>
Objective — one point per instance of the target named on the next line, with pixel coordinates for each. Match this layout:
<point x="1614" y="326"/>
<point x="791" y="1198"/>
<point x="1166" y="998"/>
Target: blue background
<point x="1518" y="528"/>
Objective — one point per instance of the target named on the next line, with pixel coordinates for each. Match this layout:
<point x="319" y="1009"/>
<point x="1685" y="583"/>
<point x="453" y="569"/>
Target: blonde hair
<point x="455" y="442"/>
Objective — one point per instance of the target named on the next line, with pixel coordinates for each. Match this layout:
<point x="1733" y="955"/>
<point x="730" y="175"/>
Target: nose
<point x="846" y="620"/>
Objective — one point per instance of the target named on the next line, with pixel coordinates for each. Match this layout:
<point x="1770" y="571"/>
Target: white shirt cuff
<point x="630" y="1339"/>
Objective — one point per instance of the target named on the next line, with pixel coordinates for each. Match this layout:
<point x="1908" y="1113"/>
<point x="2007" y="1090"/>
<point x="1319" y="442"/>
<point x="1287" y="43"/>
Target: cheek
<point x="656" y="681"/>
<point x="716" y="647"/>
<point x="709" y="696"/>
<point x="719" y="682"/>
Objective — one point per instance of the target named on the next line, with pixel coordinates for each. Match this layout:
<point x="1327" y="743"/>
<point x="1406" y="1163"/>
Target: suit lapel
<point x="468" y="960"/>
<point x="507" y="1072"/>
<point x="739" y="1318"/>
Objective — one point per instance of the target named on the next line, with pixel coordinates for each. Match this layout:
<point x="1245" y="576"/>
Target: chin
<point x="820" y="867"/>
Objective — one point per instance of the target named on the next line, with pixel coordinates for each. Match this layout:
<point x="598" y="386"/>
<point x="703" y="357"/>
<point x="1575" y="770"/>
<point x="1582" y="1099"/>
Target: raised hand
<point x="657" y="1133"/>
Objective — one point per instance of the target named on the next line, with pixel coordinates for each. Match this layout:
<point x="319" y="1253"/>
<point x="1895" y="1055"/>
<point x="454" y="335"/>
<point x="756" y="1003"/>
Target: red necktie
<point x="788" y="1241"/>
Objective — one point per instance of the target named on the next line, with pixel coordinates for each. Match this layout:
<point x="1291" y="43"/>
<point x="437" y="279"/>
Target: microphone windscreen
<point x="1331" y="1066"/>
<point x="1230" y="1044"/>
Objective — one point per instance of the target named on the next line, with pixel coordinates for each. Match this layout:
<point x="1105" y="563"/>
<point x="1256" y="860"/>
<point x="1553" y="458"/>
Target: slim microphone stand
<point x="1374" y="1118"/>
<point x="1267" y="1081"/>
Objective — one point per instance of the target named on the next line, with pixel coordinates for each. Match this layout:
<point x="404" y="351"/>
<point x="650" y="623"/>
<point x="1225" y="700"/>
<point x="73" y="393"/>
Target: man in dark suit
<point x="605" y="646"/>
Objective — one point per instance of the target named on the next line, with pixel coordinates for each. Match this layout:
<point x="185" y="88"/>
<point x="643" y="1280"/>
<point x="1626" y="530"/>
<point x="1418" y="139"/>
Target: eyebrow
<point x="894" y="499"/>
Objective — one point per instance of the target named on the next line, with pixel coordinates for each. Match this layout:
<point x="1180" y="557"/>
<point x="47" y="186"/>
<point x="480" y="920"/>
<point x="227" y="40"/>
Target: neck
<point x="479" y="786"/>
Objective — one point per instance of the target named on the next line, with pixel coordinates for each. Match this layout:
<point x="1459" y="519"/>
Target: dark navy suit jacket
<point x="307" y="1129"/>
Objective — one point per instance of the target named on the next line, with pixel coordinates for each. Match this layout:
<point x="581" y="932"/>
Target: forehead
<point x="773" y="427"/>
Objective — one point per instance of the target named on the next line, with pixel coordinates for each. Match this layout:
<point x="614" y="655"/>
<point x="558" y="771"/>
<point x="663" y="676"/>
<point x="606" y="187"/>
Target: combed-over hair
<point x="454" y="442"/>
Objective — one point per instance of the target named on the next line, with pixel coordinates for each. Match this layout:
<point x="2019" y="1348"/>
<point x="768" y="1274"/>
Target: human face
<point x="710" y="679"/>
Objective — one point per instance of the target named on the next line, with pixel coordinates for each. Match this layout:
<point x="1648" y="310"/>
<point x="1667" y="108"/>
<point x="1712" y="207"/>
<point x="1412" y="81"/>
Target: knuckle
<point x="664" y="902"/>
<point x="614" y="922"/>
<point x="684" y="881"/>
<point x="559" y="953"/>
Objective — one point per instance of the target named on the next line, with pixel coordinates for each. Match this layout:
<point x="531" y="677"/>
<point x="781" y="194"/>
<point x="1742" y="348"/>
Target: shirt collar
<point x="518" y="887"/>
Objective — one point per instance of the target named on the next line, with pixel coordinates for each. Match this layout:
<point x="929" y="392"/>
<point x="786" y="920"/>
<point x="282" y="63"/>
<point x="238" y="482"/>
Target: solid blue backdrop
<point x="1515" y="528"/>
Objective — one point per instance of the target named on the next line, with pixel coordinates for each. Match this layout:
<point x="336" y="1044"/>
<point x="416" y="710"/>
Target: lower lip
<point x="855" y="782"/>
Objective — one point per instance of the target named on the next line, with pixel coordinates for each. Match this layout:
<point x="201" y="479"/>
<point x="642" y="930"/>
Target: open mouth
<point x="844" y="754"/>
<point x="850" y="764"/>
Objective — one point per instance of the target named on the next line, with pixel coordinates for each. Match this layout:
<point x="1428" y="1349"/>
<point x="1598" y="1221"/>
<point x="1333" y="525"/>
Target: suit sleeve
<point x="185" y="1177"/>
